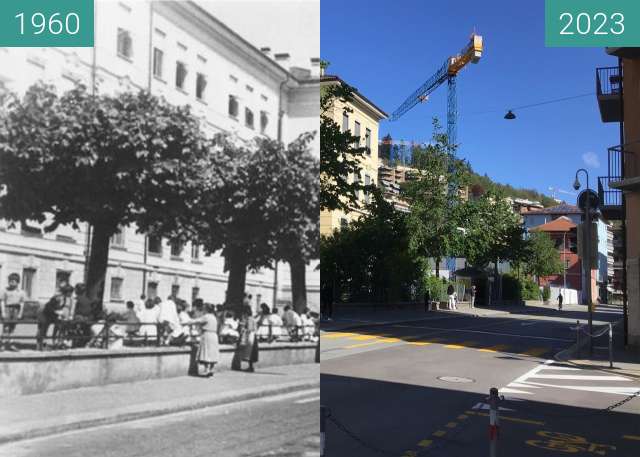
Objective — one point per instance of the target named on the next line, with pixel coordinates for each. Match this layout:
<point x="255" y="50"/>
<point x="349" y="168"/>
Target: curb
<point x="159" y="410"/>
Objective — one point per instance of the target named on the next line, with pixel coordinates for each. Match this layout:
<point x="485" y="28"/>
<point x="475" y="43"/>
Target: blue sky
<point x="387" y="49"/>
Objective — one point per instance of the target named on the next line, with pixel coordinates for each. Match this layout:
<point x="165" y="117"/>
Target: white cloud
<point x="591" y="160"/>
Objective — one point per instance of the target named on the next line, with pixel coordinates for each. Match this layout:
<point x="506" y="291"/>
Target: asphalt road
<point x="284" y="426"/>
<point x="419" y="388"/>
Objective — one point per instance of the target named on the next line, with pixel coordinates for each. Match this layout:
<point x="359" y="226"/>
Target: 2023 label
<point x="592" y="23"/>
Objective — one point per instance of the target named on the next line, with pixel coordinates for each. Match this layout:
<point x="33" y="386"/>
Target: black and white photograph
<point x="159" y="234"/>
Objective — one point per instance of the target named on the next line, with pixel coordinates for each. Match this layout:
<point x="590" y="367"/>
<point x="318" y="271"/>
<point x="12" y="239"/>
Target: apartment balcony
<point x="610" y="197"/>
<point x="609" y="89"/>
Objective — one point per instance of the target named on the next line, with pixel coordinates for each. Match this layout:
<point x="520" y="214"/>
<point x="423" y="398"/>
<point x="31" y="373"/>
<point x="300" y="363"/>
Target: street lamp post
<point x="586" y="263"/>
<point x="564" y="264"/>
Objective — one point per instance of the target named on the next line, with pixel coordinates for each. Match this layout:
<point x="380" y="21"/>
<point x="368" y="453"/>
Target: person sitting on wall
<point x="108" y="329"/>
<point x="308" y="326"/>
<point x="50" y="314"/>
<point x="293" y="323"/>
<point x="229" y="333"/>
<point x="149" y="318"/>
<point x="131" y="320"/>
<point x="169" y="319"/>
<point x="276" y="325"/>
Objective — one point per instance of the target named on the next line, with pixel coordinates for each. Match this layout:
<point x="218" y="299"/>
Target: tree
<point x="340" y="153"/>
<point x="384" y="150"/>
<point x="107" y="160"/>
<point x="434" y="196"/>
<point x="299" y="236"/>
<point x="369" y="259"/>
<point x="543" y="259"/>
<point x="492" y="231"/>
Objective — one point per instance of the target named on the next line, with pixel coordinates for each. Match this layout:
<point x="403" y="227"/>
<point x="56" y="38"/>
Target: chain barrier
<point x="356" y="438"/>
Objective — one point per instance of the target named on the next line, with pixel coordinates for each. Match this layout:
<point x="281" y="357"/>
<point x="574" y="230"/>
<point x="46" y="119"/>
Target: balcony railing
<point x="609" y="89"/>
<point x="610" y="198"/>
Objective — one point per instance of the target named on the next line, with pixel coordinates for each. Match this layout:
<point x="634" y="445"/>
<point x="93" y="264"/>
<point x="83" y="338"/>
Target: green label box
<point x="44" y="23"/>
<point x="592" y="23"/>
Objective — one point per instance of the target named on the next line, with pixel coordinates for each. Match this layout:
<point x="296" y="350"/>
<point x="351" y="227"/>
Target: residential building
<point x="539" y="217"/>
<point x="618" y="92"/>
<point x="361" y="117"/>
<point x="177" y="50"/>
<point x="563" y="232"/>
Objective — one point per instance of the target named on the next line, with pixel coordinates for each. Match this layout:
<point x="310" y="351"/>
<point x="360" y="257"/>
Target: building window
<point x="356" y="181"/>
<point x="248" y="118"/>
<point x="356" y="132"/>
<point x="116" y="289"/>
<point x="566" y="264"/>
<point x="28" y="280"/>
<point x="367" y="181"/>
<point x="154" y="245"/>
<point x="158" y="57"/>
<point x="345" y="122"/>
<point x="175" y="290"/>
<point x="201" y="85"/>
<point x="181" y="74"/>
<point x="152" y="290"/>
<point x="176" y="248"/>
<point x="264" y="121"/>
<point x="195" y="294"/>
<point x="233" y="106"/>
<point x="367" y="139"/>
<point x="195" y="252"/>
<point x="125" y="44"/>
<point x="118" y="239"/>
<point x="62" y="277"/>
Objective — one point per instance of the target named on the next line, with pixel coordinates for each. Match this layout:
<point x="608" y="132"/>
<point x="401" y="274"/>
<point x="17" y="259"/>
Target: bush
<point x="546" y="293"/>
<point x="530" y="290"/>
<point x="511" y="288"/>
<point x="436" y="287"/>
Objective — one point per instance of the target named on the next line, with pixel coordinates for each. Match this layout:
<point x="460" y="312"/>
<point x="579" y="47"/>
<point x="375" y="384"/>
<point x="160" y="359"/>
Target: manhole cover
<point x="455" y="379"/>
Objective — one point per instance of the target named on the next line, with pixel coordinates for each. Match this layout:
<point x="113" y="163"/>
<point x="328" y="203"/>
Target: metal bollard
<point x="578" y="334"/>
<point x="610" y="345"/>
<point x="494" y="421"/>
<point x="323" y="420"/>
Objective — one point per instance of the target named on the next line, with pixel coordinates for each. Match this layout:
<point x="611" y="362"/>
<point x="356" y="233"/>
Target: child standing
<point x="11" y="308"/>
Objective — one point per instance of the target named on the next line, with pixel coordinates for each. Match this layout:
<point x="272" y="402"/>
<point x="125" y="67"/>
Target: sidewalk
<point x="29" y="416"/>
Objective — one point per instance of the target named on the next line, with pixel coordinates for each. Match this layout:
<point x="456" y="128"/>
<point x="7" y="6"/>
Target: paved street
<point x="262" y="427"/>
<point x="418" y="388"/>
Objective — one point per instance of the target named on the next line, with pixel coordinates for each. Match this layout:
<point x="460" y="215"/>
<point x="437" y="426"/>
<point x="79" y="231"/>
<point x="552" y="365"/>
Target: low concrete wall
<point x="29" y="372"/>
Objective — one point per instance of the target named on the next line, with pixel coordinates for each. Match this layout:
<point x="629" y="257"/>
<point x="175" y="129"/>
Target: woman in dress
<point x="247" y="349"/>
<point x="208" y="352"/>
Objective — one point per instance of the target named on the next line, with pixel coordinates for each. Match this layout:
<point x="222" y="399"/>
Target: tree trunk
<point x="236" y="265"/>
<point x="496" y="276"/>
<point x="437" y="268"/>
<point x="298" y="284"/>
<point x="98" y="260"/>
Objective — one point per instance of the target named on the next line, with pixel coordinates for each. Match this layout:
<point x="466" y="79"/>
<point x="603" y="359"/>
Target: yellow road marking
<point x="439" y="433"/>
<point x="419" y="343"/>
<point x="631" y="437"/>
<point x="496" y="348"/>
<point x="462" y="416"/>
<point x="452" y="425"/>
<point x="390" y="340"/>
<point x="425" y="443"/>
<point x="536" y="352"/>
<point x="464" y="344"/>
<point x="512" y="419"/>
<point x="333" y="336"/>
<point x="365" y="337"/>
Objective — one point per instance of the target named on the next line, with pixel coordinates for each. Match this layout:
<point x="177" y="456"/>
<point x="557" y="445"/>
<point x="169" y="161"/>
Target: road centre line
<point x="532" y="337"/>
<point x="631" y="437"/>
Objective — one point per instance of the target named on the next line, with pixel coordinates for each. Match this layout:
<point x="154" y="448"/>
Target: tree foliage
<point x="340" y="153"/>
<point x="369" y="260"/>
<point x="109" y="160"/>
<point x="434" y="197"/>
<point x="543" y="259"/>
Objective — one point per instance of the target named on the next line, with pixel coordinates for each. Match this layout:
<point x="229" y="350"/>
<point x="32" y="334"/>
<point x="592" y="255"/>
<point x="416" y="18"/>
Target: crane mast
<point x="447" y="72"/>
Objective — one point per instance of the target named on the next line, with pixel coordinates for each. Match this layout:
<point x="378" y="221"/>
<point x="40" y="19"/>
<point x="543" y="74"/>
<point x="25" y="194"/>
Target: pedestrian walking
<point x="452" y="298"/>
<point x="208" y="350"/>
<point x="247" y="348"/>
<point x="560" y="299"/>
<point x="473" y="297"/>
<point x="427" y="300"/>
<point x="11" y="309"/>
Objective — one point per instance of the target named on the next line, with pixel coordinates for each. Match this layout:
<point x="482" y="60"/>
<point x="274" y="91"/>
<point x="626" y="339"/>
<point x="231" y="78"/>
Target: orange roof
<point x="561" y="224"/>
